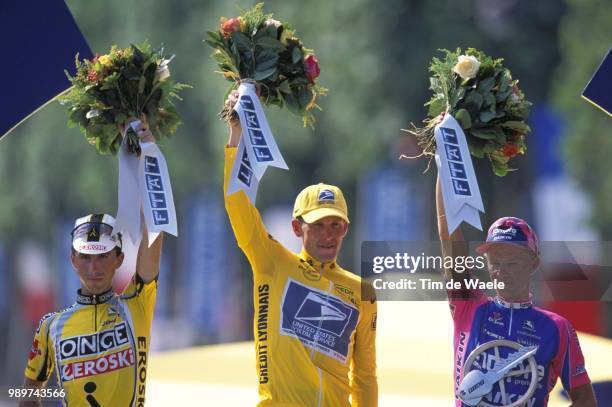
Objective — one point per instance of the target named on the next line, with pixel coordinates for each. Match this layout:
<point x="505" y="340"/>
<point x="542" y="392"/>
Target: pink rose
<point x="230" y="26"/>
<point x="311" y="68"/>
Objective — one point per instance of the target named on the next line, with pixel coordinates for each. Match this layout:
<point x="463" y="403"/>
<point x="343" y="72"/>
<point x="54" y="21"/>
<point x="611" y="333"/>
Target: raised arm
<point x="452" y="245"/>
<point x="248" y="227"/>
<point x="148" y="258"/>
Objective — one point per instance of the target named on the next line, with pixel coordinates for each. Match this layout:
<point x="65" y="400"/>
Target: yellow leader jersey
<point x="314" y="331"/>
<point x="98" y="347"/>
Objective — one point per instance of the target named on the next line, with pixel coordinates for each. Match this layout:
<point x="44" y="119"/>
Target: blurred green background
<point x="374" y="58"/>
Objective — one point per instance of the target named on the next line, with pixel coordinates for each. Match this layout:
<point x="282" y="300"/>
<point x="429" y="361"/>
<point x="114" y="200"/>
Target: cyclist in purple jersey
<point x="512" y="257"/>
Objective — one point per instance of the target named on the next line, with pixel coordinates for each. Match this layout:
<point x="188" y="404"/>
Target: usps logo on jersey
<point x="326" y="195"/>
<point x="320" y="320"/>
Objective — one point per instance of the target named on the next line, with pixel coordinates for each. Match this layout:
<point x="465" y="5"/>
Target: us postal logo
<point x="326" y="196"/>
<point x="320" y="320"/>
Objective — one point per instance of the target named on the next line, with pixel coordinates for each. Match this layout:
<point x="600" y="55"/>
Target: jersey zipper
<point x="95" y="321"/>
<point x="320" y="394"/>
<point x="510" y="325"/>
<point x="320" y="397"/>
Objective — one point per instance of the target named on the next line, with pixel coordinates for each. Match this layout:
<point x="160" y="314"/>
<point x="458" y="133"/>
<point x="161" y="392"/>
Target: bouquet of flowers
<point x="254" y="47"/>
<point x="481" y="95"/>
<point x="125" y="83"/>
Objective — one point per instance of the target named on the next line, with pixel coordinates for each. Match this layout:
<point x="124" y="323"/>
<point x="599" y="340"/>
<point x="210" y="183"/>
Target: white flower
<point x="92" y="113"/>
<point x="163" y="72"/>
<point x="467" y="66"/>
<point x="272" y="22"/>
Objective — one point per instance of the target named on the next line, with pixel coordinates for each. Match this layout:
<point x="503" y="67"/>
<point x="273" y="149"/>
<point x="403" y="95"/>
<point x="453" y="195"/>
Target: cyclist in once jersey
<point x="314" y="328"/>
<point x="512" y="254"/>
<point x="98" y="347"/>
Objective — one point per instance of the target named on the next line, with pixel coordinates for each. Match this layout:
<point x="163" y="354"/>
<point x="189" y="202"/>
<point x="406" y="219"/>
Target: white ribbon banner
<point x="144" y="181"/>
<point x="257" y="149"/>
<point x="462" y="200"/>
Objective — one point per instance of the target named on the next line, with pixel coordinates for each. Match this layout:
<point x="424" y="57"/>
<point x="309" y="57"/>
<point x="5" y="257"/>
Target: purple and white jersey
<point x="480" y="319"/>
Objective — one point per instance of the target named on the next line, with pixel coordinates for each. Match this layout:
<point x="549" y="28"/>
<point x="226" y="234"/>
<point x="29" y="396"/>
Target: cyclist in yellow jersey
<point x="98" y="347"/>
<point x="314" y="323"/>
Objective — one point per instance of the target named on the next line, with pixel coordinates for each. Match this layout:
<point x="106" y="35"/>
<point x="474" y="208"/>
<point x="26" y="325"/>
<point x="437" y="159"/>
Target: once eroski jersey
<point x="98" y="347"/>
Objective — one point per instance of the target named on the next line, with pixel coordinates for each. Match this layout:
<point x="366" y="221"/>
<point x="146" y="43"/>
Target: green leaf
<point x="131" y="72"/>
<point x="141" y="84"/>
<point x="436" y="106"/>
<point x="266" y="54"/>
<point x="519" y="126"/>
<point x="304" y="97"/>
<point x="474" y="98"/>
<point x="214" y="39"/>
<point x="77" y="116"/>
<point x="139" y="57"/>
<point x="485" y="133"/>
<point x="504" y="83"/>
<point x="284" y="87"/>
<point x="476" y="151"/>
<point x="500" y="171"/>
<point x="461" y="94"/>
<point x="292" y="104"/>
<point x="500" y="163"/>
<point x="242" y="42"/>
<point x="296" y="55"/>
<point x="464" y="119"/>
<point x="222" y="58"/>
<point x="299" y="81"/>
<point x="477" y="146"/>
<point x="489" y="100"/>
<point x="270" y="43"/>
<point x="266" y="64"/>
<point x="502" y="96"/>
<point x="486" y="116"/>
<point x="486" y="84"/>
<point x="266" y="32"/>
<point x="261" y="75"/>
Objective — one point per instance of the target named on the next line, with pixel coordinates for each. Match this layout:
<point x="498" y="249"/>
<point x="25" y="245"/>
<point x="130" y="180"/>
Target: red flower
<point x="230" y="26"/>
<point x="93" y="76"/>
<point x="510" y="150"/>
<point x="311" y="68"/>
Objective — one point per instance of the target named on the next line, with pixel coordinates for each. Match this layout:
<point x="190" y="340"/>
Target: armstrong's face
<point x="96" y="271"/>
<point x="323" y="238"/>
<point x="514" y="266"/>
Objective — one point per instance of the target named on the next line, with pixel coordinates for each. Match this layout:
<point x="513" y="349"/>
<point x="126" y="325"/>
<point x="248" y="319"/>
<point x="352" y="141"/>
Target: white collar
<point x="514" y="304"/>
